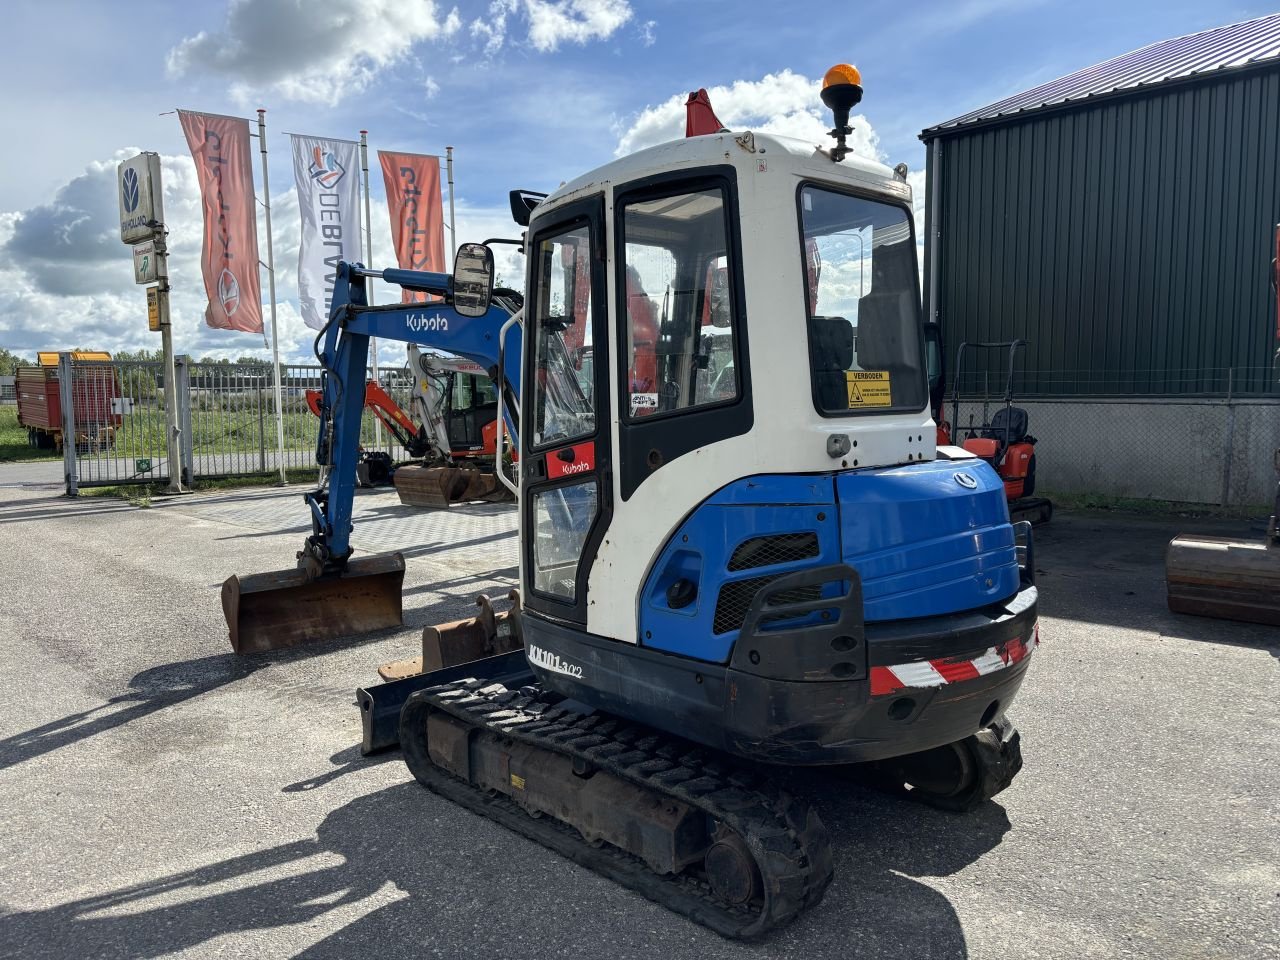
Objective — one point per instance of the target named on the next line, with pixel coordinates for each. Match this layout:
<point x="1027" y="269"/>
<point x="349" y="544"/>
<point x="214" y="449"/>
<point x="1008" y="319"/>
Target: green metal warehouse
<point x="1122" y="220"/>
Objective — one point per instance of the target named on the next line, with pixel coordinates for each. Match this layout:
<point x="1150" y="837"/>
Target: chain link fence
<point x="1209" y="444"/>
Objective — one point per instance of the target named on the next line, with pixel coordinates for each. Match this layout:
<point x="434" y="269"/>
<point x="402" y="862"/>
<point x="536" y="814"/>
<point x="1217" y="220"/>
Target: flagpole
<point x="368" y="248"/>
<point x="271" y="284"/>
<point x="453" y="235"/>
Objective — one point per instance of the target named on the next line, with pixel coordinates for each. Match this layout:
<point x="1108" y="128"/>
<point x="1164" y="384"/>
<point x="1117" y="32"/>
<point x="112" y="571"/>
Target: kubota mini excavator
<point x="766" y="561"/>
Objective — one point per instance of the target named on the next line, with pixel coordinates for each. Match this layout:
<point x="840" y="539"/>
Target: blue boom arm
<point x="344" y="357"/>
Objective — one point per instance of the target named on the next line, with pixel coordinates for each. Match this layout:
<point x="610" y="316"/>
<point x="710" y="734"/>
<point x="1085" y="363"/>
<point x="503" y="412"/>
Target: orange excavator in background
<point x="452" y="448"/>
<point x="375" y="467"/>
<point x="1002" y="440"/>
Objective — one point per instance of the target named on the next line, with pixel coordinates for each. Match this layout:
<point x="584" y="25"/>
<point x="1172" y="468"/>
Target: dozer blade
<point x="442" y="486"/>
<point x="487" y="634"/>
<point x="1228" y="579"/>
<point x="285" y="608"/>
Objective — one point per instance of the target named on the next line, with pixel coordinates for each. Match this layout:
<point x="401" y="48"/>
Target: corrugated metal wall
<point x="1129" y="240"/>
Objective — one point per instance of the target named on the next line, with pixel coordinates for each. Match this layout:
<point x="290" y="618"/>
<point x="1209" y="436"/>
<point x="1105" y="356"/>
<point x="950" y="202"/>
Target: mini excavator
<point x="751" y="556"/>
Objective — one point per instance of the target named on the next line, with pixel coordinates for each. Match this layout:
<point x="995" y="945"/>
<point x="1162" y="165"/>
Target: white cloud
<point x="647" y="35"/>
<point x="66" y="280"/>
<point x="430" y="86"/>
<point x="316" y="52"/>
<point x="323" y="52"/>
<point x="553" y="22"/>
<point x="785" y="103"/>
<point x="493" y="31"/>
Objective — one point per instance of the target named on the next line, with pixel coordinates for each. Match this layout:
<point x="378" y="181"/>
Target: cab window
<point x="563" y="408"/>
<point x="679" y="331"/>
<point x="863" y="304"/>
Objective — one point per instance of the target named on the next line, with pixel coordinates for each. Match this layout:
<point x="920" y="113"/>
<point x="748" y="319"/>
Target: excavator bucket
<point x="420" y="486"/>
<point x="1229" y="579"/>
<point x="485" y="635"/>
<point x="286" y="608"/>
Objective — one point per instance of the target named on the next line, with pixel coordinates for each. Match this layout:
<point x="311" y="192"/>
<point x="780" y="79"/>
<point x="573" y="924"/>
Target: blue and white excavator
<point x="740" y="547"/>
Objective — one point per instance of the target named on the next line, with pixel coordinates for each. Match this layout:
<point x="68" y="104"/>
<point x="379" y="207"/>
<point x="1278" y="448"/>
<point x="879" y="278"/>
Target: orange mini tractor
<point x="1001" y="440"/>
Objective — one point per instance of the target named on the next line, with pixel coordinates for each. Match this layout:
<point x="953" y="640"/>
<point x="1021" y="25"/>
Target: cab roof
<point x="784" y="155"/>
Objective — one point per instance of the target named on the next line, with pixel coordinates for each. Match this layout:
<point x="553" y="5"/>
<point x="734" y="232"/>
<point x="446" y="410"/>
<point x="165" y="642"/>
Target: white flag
<point x="327" y="173"/>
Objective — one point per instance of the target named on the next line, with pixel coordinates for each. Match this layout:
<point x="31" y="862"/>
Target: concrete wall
<point x="1187" y="450"/>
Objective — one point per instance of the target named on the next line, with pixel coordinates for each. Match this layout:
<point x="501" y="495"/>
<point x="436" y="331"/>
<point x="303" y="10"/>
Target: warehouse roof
<point x="1222" y="48"/>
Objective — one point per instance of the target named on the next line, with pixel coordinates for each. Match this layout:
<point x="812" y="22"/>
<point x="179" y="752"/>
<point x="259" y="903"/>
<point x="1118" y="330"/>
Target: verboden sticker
<point x="868" y="388"/>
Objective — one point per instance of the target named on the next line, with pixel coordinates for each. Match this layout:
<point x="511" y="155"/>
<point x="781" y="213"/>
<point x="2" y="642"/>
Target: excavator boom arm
<point x="344" y="357"/>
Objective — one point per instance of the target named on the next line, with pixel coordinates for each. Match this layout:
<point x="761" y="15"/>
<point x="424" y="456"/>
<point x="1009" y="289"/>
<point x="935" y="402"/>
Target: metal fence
<point x="987" y="372"/>
<point x="1196" y="450"/>
<point x="1187" y="448"/>
<point x="226" y="415"/>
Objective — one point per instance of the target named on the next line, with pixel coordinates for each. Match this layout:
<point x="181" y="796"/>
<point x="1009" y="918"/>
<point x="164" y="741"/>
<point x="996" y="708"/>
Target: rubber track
<point x="784" y="834"/>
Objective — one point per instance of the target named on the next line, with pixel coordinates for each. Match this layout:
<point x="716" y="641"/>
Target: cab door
<point x="565" y="449"/>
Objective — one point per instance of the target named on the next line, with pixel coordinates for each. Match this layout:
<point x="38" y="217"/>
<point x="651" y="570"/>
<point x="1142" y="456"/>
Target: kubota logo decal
<point x="580" y="458"/>
<point x="551" y="661"/>
<point x="418" y="322"/>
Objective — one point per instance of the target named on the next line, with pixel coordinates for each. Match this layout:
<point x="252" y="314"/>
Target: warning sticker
<point x="868" y="388"/>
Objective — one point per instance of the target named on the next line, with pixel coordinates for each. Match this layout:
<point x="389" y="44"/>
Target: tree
<point x="139" y="356"/>
<point x="10" y="362"/>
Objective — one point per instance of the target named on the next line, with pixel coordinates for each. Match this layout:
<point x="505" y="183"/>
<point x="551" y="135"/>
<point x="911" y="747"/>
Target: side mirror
<point x="472" y="280"/>
<point x="522" y="204"/>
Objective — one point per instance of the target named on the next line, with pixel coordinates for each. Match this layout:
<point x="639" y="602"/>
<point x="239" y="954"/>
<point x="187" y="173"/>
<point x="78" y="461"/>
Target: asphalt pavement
<point x="161" y="796"/>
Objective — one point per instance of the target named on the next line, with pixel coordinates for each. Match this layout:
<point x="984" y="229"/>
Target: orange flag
<point x="417" y="214"/>
<point x="220" y="147"/>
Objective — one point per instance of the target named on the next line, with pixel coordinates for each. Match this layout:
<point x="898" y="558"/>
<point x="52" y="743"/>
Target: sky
<point x="530" y="93"/>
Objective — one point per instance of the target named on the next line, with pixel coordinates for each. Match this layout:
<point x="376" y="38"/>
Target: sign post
<point x="142" y="227"/>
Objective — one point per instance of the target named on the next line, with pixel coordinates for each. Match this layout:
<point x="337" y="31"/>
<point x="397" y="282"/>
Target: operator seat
<point x="1009" y="425"/>
<point x="830" y="355"/>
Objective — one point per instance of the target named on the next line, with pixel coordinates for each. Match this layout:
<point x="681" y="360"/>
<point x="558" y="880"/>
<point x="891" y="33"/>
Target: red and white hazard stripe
<point x="937" y="673"/>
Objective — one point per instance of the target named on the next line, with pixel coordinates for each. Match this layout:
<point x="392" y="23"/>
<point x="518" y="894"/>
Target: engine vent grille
<point x="735" y="600"/>
<point x="773" y="549"/>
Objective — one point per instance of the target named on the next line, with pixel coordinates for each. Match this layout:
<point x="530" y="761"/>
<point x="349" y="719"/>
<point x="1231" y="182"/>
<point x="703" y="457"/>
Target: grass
<point x="140" y="494"/>
<point x="142" y="432"/>
<point x="14" y="447"/>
